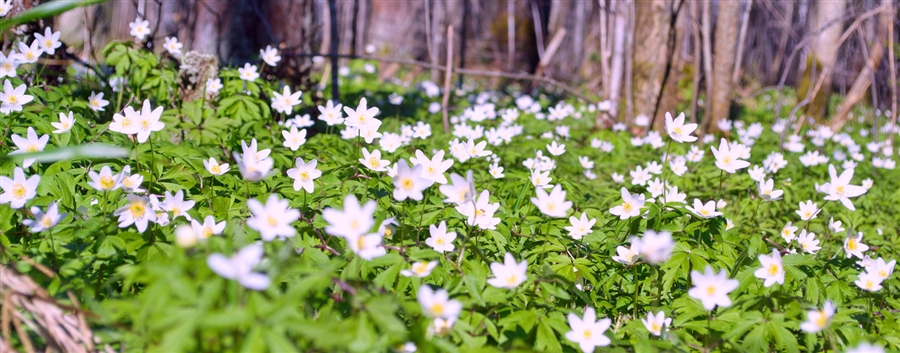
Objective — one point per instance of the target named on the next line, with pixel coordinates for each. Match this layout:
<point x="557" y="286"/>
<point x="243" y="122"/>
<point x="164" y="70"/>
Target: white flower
<point x="105" y="180"/>
<point x="789" y="232"/>
<point x="818" y="320"/>
<point x="480" y="211"/>
<point x="853" y="245"/>
<point x="580" y="227"/>
<point x="49" y="41"/>
<point x="29" y="54"/>
<point x="556" y="149"/>
<point x="208" y="228"/>
<point x="767" y="190"/>
<point x="509" y="274"/>
<point x="284" y="102"/>
<point x="293" y="139"/>
<point x="772" y="270"/>
<point x="248" y="72"/>
<point x="835" y="227"/>
<point x="270" y="55"/>
<point x="808" y="210"/>
<point x="13" y="98"/>
<point x="869" y="281"/>
<point x="587" y="331"/>
<point x="440" y="240"/>
<point x="678" y="130"/>
<point x="866" y="347"/>
<point x="19" y="189"/>
<point x="5" y="7"/>
<point x="553" y="204"/>
<point x="361" y="117"/>
<point x="373" y="160"/>
<point x="97" y="103"/>
<point x="240" y="267"/>
<point x="30" y="144"/>
<point x="630" y="207"/>
<point x="213" y="86"/>
<point x="44" y="220"/>
<point x="540" y="180"/>
<point x="419" y="269"/>
<point x="434" y="168"/>
<point x="137" y="211"/>
<point x="177" y="205"/>
<point x="496" y="171"/>
<point x="140" y="28"/>
<point x="702" y="210"/>
<point x="757" y="173"/>
<point x="65" y="123"/>
<point x="214" y="168"/>
<point x="272" y="219"/>
<point x="461" y="190"/>
<point x="437" y="304"/>
<point x="839" y="189"/>
<point x="882" y="269"/>
<point x="367" y="246"/>
<point x="712" y="288"/>
<point x="808" y="241"/>
<point x="8" y="65"/>
<point x="331" y="114"/>
<point x="729" y="159"/>
<point x="655" y="323"/>
<point x="173" y="46"/>
<point x="627" y="256"/>
<point x="353" y="221"/>
<point x="148" y="121"/>
<point x="409" y="183"/>
<point x="304" y="175"/>
<point x="655" y="247"/>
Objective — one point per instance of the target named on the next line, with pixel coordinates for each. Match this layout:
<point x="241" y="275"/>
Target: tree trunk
<point x="617" y="62"/>
<point x="824" y="50"/>
<point x="723" y="60"/>
<point x="652" y="31"/>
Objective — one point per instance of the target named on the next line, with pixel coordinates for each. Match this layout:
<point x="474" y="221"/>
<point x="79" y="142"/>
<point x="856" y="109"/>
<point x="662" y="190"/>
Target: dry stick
<point x="551" y="50"/>
<point x="893" y="71"/>
<point x="804" y="42"/>
<point x="742" y="37"/>
<point x="841" y="118"/>
<point x="538" y="30"/>
<point x="447" y="77"/>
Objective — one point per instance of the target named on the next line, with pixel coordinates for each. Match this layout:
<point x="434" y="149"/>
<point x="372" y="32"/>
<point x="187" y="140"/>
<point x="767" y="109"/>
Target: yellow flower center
<point x="627" y="206"/>
<point x="46" y="221"/>
<point x="215" y="168"/>
<point x="677" y="130"/>
<point x="851" y="244"/>
<point x="655" y="326"/>
<point x="206" y="232"/>
<point x="137" y="209"/>
<point x="512" y="280"/>
<point x="437" y="309"/>
<point x="31" y="148"/>
<point x="479" y="212"/>
<point x="18" y="190"/>
<point x="407" y="184"/>
<point x="710" y="290"/>
<point x="304" y="175"/>
<point x="587" y="334"/>
<point x="420" y="268"/>
<point x="13" y="99"/>
<point x="107" y="182"/>
<point x="373" y="162"/>
<point x="48" y="43"/>
<point x="821" y="319"/>
<point x="126" y="122"/>
<point x="773" y="269"/>
<point x="29" y="55"/>
<point x="272" y="221"/>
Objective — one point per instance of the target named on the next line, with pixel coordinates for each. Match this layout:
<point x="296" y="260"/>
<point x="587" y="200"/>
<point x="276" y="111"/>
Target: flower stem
<point x="636" y="289"/>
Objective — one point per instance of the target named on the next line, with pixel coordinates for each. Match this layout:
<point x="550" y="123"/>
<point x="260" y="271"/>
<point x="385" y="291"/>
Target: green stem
<point x="636" y="289"/>
<point x="53" y="250"/>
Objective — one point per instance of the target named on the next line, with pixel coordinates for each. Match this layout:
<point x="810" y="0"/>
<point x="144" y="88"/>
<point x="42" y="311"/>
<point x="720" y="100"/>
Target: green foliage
<point x="150" y="294"/>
